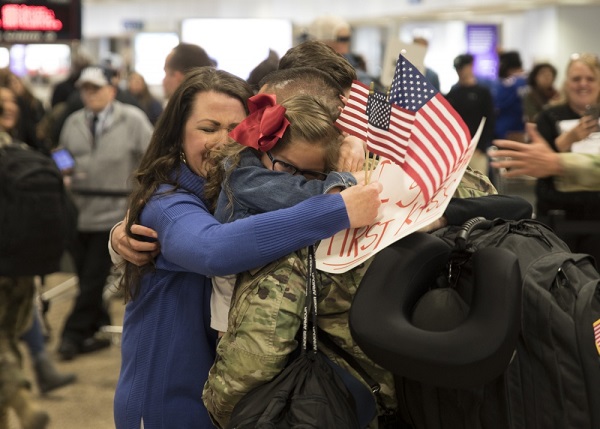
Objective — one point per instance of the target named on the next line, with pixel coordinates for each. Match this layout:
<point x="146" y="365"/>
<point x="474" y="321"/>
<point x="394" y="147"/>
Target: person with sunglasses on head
<point x="561" y="128"/>
<point x="336" y="33"/>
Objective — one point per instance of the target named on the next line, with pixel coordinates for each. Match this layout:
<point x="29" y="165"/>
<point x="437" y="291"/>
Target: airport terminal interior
<point x="136" y="36"/>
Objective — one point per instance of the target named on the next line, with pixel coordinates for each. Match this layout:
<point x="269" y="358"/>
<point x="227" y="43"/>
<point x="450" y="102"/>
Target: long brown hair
<point x="162" y="158"/>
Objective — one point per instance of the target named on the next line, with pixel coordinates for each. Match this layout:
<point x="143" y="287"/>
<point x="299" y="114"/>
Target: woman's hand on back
<point x="135" y="251"/>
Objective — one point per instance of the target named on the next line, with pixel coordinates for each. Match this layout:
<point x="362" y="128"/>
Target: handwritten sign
<point x="404" y="211"/>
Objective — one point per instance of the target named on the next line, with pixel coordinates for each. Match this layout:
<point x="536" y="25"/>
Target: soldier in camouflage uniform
<point x="266" y="313"/>
<point x="572" y="172"/>
<point x="16" y="305"/>
<point x="581" y="172"/>
<point x="265" y="316"/>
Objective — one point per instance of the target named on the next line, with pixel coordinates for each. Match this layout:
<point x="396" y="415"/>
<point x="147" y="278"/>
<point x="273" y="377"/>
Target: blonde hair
<point x="309" y="120"/>
<point x="587" y="59"/>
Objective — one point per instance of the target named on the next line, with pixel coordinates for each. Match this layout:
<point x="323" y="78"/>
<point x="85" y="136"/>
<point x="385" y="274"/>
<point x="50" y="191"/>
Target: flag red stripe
<point x="352" y="130"/>
<point x="428" y="157"/>
<point x="418" y="178"/>
<point x="452" y="121"/>
<point x="438" y="137"/>
<point x="446" y="129"/>
<point x="353" y="118"/>
<point x="434" y="143"/>
<point x="464" y="137"/>
<point x="402" y="122"/>
<point x="389" y="134"/>
<point x="357" y="116"/>
<point x="441" y="135"/>
<point x="427" y="167"/>
<point x="394" y="151"/>
<point x="388" y="151"/>
<point x="353" y="115"/>
<point x="392" y="143"/>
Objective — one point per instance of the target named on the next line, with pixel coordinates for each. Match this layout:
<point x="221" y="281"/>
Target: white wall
<point x="577" y="30"/>
<point x="446" y="41"/>
<point x="548" y="33"/>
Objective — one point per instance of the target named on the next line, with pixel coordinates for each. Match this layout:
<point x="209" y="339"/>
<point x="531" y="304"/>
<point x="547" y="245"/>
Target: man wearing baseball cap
<point x="107" y="138"/>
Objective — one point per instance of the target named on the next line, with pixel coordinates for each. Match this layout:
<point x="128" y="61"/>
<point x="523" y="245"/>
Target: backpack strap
<point x="326" y="339"/>
<point x="309" y="318"/>
<point x="310" y="309"/>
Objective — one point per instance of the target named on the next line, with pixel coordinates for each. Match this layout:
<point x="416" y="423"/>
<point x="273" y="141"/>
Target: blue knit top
<point x="167" y="345"/>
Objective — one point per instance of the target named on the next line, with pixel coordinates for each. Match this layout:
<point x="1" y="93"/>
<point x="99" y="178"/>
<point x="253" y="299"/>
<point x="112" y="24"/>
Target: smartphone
<point x="63" y="159"/>
<point x="592" y="110"/>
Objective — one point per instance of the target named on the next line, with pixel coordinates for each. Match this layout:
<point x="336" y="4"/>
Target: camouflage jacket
<point x="265" y="316"/>
<point x="16" y="306"/>
<point x="581" y="172"/>
<point x="474" y="184"/>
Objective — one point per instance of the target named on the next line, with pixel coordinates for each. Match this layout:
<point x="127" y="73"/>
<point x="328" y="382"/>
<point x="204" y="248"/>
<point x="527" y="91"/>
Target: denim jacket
<point x="256" y="189"/>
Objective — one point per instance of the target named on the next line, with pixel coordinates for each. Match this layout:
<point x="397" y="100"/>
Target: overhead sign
<point x="482" y="43"/>
<point x="40" y="21"/>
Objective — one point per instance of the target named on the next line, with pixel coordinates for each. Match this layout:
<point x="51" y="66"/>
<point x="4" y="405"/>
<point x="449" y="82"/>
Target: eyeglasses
<point x="286" y="167"/>
<point x="343" y="39"/>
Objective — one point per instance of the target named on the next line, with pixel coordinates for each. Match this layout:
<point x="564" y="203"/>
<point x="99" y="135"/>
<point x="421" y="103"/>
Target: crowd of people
<point x="208" y="199"/>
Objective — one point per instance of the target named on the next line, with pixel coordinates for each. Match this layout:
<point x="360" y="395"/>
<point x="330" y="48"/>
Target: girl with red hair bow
<point x="282" y="154"/>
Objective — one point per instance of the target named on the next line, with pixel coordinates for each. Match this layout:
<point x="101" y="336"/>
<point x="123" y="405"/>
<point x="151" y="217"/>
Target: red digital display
<point x="24" y="17"/>
<point x="40" y="21"/>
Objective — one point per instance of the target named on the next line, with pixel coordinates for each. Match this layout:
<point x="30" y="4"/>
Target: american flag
<point x="597" y="334"/>
<point x="439" y="137"/>
<point x="370" y="117"/>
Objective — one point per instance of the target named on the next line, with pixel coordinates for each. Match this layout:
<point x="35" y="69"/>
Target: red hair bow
<point x="265" y="125"/>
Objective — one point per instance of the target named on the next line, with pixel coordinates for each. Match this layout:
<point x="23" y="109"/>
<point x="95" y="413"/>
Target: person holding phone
<point x="64" y="160"/>
<point x="561" y="126"/>
<point x="576" y="118"/>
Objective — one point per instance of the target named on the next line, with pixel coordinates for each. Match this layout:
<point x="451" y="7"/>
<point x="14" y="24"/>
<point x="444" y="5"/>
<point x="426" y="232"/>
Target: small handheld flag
<point x="415" y="127"/>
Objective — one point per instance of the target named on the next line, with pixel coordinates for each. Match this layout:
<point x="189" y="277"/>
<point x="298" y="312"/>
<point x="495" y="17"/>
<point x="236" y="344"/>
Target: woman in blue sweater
<point x="167" y="344"/>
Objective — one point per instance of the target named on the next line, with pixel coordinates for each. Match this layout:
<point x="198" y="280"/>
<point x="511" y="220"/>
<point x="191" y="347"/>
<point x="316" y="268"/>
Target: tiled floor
<point x="88" y="403"/>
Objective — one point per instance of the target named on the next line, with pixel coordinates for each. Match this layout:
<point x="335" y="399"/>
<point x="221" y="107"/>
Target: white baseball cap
<point x="95" y="75"/>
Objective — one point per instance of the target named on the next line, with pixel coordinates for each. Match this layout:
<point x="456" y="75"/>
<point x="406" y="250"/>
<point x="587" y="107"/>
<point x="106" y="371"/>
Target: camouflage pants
<point x="265" y="316"/>
<point x="16" y="305"/>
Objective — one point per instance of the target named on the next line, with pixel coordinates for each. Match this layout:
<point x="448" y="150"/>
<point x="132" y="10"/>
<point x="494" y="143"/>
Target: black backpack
<point x="553" y="379"/>
<point x="37" y="216"/>
<point x="308" y="393"/>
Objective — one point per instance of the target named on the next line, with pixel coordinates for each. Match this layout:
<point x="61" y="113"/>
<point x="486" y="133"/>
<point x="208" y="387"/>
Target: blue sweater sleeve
<point x="193" y="240"/>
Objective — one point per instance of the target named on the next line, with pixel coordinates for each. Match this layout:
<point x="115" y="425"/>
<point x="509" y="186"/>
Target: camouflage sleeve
<point x="474" y="184"/>
<point x="581" y="172"/>
<point x="265" y="315"/>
